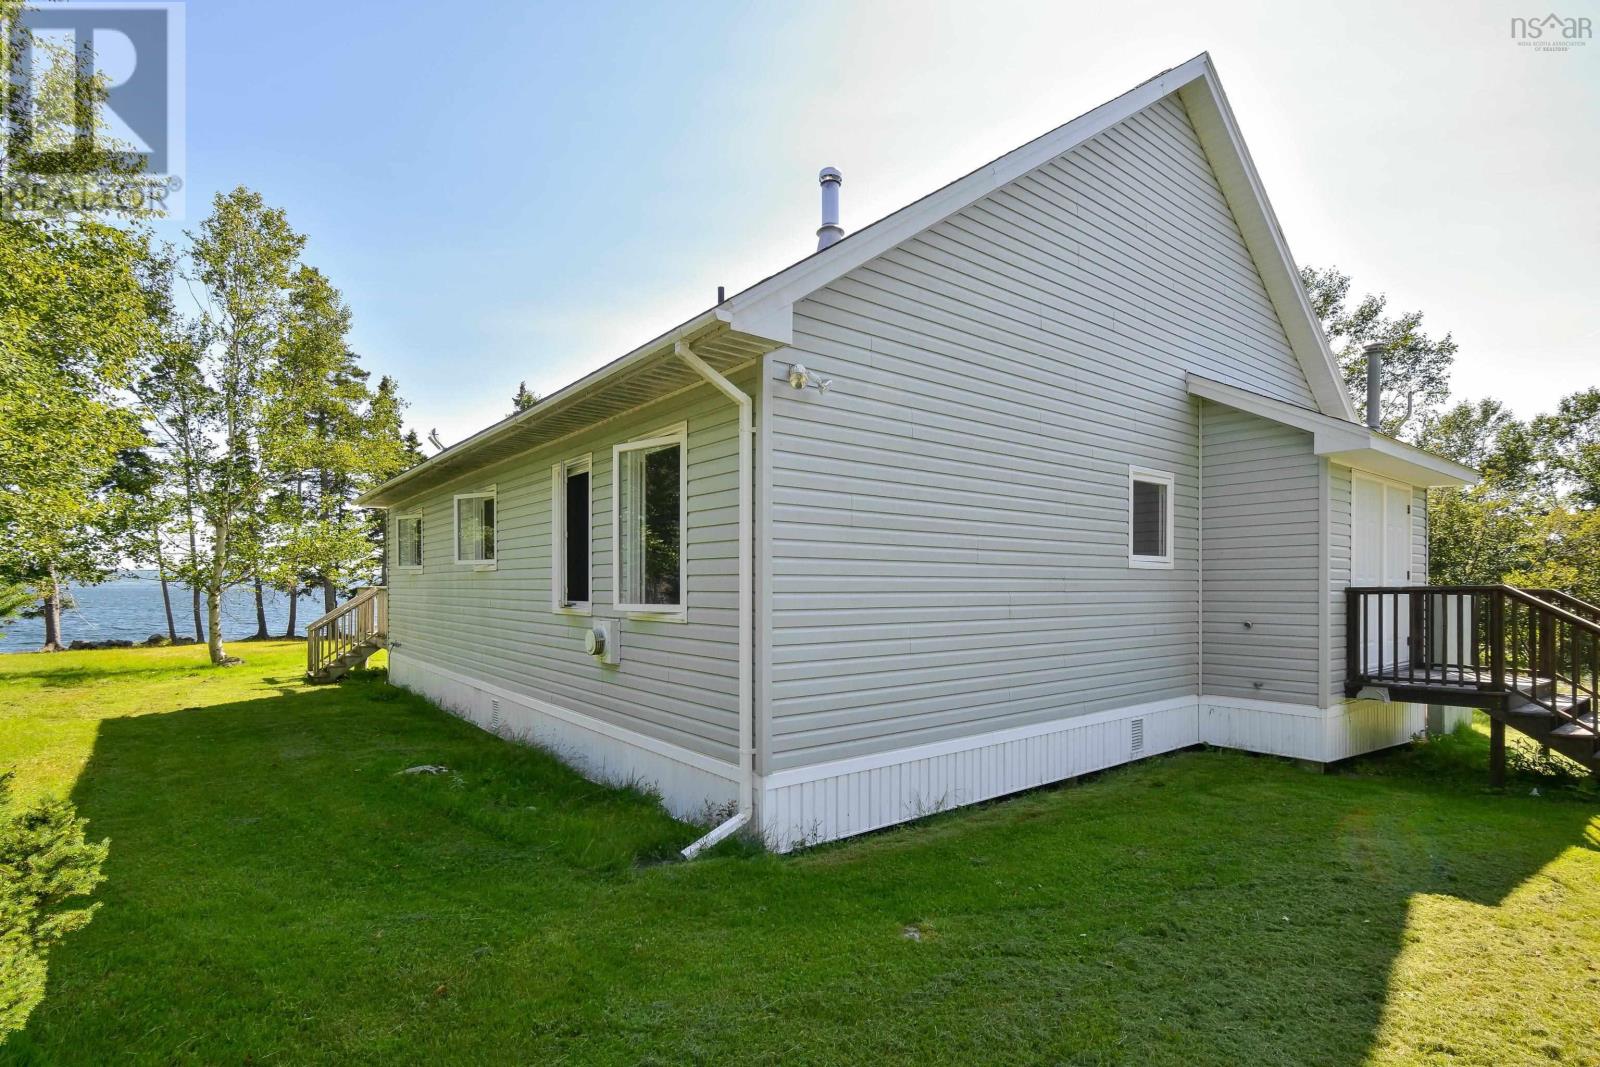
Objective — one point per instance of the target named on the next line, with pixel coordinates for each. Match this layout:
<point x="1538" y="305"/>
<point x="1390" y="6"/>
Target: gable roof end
<point x="765" y="308"/>
<point x="760" y="318"/>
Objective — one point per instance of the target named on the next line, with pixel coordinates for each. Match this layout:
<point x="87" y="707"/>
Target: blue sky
<point x="509" y="191"/>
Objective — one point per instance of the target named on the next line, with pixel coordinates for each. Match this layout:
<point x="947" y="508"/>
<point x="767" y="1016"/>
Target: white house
<point x="1047" y="471"/>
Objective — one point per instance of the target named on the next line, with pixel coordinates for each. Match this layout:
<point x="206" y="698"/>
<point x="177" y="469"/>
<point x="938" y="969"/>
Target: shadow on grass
<point x="71" y="677"/>
<point x="277" y="890"/>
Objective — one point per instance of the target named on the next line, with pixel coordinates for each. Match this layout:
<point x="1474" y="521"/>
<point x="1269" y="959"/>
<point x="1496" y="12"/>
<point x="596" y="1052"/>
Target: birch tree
<point x="1416" y="365"/>
<point x="243" y="255"/>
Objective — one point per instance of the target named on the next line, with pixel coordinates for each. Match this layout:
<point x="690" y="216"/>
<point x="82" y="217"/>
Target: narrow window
<point x="570" y="493"/>
<point x="1149" y="519"/>
<point x="408" y="541"/>
<point x="475" y="528"/>
<point x="649" y="517"/>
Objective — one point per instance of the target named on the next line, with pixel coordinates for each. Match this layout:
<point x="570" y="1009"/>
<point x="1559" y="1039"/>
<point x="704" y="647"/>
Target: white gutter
<point x="543" y="409"/>
<point x="746" y="804"/>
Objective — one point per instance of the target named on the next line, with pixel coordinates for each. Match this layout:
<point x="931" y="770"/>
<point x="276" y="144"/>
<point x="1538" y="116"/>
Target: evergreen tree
<point x="327" y="436"/>
<point x="523" y="399"/>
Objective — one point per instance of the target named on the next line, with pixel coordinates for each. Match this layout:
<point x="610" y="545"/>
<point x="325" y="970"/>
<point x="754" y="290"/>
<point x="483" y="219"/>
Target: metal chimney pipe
<point x="1374" y="354"/>
<point x="830" y="230"/>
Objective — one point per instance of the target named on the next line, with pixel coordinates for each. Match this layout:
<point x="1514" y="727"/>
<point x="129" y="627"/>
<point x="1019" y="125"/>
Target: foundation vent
<point x="1138" y="735"/>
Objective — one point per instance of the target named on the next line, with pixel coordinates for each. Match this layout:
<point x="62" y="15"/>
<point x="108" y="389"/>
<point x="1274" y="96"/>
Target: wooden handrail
<point x="1525" y="595"/>
<point x="1488" y="642"/>
<point x="1569" y="603"/>
<point x="361" y="621"/>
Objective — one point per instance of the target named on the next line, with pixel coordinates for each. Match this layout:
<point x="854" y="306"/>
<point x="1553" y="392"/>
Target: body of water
<point x="128" y="608"/>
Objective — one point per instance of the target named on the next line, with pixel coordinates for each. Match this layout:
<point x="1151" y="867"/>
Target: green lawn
<point x="276" y="893"/>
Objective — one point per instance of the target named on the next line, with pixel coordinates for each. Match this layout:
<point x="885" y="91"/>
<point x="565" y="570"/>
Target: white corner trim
<point x="697" y="760"/>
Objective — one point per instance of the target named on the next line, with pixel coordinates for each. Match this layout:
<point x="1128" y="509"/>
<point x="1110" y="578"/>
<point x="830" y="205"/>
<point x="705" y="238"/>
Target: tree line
<point x="1534" y="518"/>
<point x="197" y="410"/>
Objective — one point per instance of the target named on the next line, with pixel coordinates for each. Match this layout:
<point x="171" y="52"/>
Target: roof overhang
<point x="1347" y="443"/>
<point x="760" y="318"/>
<point x="649" y="373"/>
<point x="771" y="301"/>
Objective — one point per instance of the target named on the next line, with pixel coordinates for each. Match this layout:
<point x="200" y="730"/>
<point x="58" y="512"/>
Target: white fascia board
<point x="1397" y="460"/>
<point x="778" y="293"/>
<point x="1198" y="87"/>
<point x="1347" y="443"/>
<point x="1218" y="131"/>
<point x="660" y="346"/>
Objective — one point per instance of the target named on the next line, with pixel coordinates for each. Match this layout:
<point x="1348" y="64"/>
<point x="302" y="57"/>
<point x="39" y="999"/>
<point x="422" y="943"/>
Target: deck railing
<point x="1486" y="643"/>
<point x="361" y="621"/>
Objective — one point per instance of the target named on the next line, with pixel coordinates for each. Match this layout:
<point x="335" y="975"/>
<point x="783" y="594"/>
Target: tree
<point x="14" y="600"/>
<point x="146" y="510"/>
<point x="524" y="398"/>
<point x="75" y="322"/>
<point x="1416" y="367"/>
<point x="1481" y="534"/>
<point x="45" y="862"/>
<point x="243" y="255"/>
<point x="180" y="406"/>
<point x="1569" y="445"/>
<point x="327" y="435"/>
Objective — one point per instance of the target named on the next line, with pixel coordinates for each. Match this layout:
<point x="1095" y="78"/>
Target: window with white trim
<point x="649" y="516"/>
<point x="571" y="534"/>
<point x="475" y="529"/>
<point x="408" y="541"/>
<point x="1149" y="518"/>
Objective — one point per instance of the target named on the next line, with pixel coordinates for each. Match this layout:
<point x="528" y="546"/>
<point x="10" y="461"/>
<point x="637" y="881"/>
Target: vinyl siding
<point x="949" y="523"/>
<point x="1419" y="536"/>
<point x="1261" y="516"/>
<point x="677" y="682"/>
<point x="1339" y="548"/>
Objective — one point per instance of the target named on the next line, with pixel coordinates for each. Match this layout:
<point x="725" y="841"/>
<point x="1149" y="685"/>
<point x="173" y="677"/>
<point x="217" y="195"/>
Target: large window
<point x="1149" y="518"/>
<point x="408" y="541"/>
<point x="570" y="529"/>
<point x="648" y="518"/>
<point x="475" y="528"/>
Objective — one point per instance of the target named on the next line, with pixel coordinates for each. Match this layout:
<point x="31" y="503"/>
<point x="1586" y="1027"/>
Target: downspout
<point x="746" y="802"/>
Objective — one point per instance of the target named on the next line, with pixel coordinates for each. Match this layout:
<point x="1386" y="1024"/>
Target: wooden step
<point x="1528" y="709"/>
<point x="1583" y="728"/>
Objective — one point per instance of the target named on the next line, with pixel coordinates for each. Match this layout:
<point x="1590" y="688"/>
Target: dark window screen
<point x="1149" y="519"/>
<point x="663" y="538"/>
<point x="577" y="538"/>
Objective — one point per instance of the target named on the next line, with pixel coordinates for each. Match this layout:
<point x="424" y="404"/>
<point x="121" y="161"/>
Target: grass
<point x="277" y="893"/>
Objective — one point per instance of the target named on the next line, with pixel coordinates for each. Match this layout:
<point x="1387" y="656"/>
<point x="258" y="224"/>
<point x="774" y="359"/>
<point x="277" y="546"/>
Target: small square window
<point x="1149" y="518"/>
<point x="571" y="533"/>
<point x="408" y="541"/>
<point x="648" y="516"/>
<point x="475" y="528"/>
